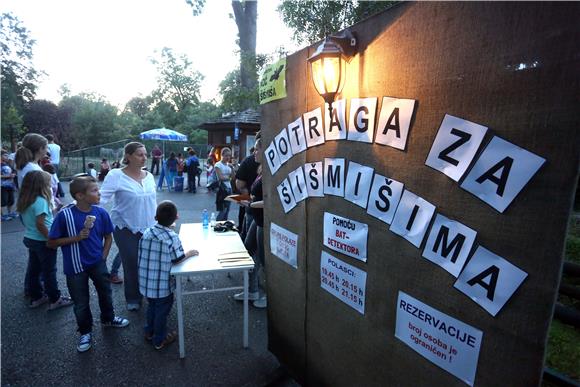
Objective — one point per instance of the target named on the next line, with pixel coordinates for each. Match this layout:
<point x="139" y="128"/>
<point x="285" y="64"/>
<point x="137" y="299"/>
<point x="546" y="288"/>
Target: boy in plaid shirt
<point x="159" y="248"/>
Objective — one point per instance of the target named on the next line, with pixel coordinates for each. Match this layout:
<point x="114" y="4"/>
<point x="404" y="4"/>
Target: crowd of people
<point x="141" y="228"/>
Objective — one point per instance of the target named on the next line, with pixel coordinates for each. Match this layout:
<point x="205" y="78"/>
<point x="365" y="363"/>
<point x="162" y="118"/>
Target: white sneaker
<point x="85" y="342"/>
<point x="261" y="303"/>
<point x="252" y="296"/>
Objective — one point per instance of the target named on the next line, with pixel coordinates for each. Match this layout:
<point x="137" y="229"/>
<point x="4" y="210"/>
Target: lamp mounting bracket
<point x="347" y="42"/>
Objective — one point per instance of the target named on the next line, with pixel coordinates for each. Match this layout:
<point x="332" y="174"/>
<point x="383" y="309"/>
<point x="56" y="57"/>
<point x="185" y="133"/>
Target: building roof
<point x="247" y="118"/>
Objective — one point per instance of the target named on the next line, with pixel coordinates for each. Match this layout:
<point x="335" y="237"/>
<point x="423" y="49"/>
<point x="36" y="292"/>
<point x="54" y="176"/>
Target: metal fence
<point x="77" y="161"/>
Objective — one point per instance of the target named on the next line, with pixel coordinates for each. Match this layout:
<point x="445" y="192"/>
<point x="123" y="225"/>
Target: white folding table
<point x="218" y="252"/>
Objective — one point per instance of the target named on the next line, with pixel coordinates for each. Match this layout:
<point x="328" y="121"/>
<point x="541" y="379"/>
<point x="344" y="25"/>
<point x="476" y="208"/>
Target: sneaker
<point x="6" y="218"/>
<point x="261" y="303"/>
<point x="115" y="279"/>
<point x="85" y="342"/>
<point x="60" y="303"/>
<point x="13" y="215"/>
<point x="170" y="338"/>
<point x="41" y="301"/>
<point x="252" y="296"/>
<point x="118" y="322"/>
<point x="133" y="307"/>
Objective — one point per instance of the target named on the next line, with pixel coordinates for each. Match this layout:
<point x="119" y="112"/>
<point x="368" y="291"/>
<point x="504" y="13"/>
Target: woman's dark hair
<point x="31" y="144"/>
<point x="130" y="148"/>
<point x="172" y="155"/>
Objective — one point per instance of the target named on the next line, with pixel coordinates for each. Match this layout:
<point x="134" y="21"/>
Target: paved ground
<point x="39" y="347"/>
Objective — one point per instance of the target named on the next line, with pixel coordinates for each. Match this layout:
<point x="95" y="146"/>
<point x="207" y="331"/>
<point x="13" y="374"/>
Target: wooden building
<point x="236" y="130"/>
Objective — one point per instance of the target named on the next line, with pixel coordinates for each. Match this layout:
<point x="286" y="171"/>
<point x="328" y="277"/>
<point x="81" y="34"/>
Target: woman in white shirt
<point x="224" y="172"/>
<point x="135" y="202"/>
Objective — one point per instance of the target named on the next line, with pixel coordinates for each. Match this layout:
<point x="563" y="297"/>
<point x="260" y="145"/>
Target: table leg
<point x="246" y="281"/>
<point x="179" y="296"/>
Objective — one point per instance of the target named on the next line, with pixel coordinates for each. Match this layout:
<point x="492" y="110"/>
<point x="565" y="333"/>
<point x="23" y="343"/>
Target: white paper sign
<point x="296" y="136"/>
<point x="283" y="146"/>
<point x="455" y="146"/>
<point x="449" y="244"/>
<point x="335" y="129"/>
<point x="439" y="338"/>
<point x="501" y="172"/>
<point x="384" y="198"/>
<point x="271" y="155"/>
<point x="358" y="184"/>
<point x="346" y="236"/>
<point x="286" y="196"/>
<point x="313" y="128"/>
<point x="361" y="124"/>
<point x="314" y="179"/>
<point x="394" y="122"/>
<point x="334" y="171"/>
<point x="298" y="184"/>
<point x="412" y="218"/>
<point x="344" y="281"/>
<point x="489" y="280"/>
<point x="284" y="244"/>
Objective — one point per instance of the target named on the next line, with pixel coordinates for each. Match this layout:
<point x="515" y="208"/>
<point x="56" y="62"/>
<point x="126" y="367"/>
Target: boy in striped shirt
<point x="84" y="230"/>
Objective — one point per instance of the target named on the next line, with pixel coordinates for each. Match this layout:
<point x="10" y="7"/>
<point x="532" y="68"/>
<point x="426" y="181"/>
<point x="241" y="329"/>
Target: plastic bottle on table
<point x="212" y="220"/>
<point x="205" y="219"/>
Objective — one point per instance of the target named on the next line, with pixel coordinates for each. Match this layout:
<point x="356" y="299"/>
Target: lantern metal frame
<point x="342" y="46"/>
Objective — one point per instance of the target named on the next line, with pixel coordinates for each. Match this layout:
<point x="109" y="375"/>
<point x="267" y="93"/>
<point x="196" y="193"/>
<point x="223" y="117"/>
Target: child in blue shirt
<point x="34" y="205"/>
<point x="84" y="231"/>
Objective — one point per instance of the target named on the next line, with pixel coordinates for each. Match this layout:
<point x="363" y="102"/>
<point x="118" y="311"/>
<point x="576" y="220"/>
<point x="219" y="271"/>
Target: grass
<point x="563" y="353"/>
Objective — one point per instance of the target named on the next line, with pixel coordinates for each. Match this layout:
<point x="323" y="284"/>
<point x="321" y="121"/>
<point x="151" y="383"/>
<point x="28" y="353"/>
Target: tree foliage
<point x="313" y="20"/>
<point x="19" y="77"/>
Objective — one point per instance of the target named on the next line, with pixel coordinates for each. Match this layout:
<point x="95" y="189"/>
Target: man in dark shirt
<point x="155" y="159"/>
<point x="245" y="177"/>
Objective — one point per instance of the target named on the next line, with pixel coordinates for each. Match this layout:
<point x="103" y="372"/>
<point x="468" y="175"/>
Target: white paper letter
<point x="296" y="136"/>
<point x="314" y="179"/>
<point x="361" y="125"/>
<point x="283" y="146"/>
<point x="412" y="218"/>
<point x="298" y="184"/>
<point x="501" y="172"/>
<point x="334" y="177"/>
<point x="358" y="184"/>
<point x="313" y="128"/>
<point x="455" y="146"/>
<point x="271" y="155"/>
<point x="394" y="122"/>
<point x="335" y="128"/>
<point x="286" y="196"/>
<point x="384" y="198"/>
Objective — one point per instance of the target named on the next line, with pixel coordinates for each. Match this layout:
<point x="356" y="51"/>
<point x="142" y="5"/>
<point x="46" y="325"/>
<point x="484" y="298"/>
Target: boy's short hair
<point x="166" y="213"/>
<point x="49" y="168"/>
<point x="80" y="184"/>
<point x="91" y="165"/>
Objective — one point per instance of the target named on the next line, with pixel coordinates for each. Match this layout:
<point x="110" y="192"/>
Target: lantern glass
<point x="326" y="74"/>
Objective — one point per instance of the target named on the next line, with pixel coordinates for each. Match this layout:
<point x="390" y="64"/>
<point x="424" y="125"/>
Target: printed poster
<point x="439" y="338"/>
<point x="346" y="236"/>
<point x="284" y="244"/>
<point x="344" y="281"/>
<point x="273" y="82"/>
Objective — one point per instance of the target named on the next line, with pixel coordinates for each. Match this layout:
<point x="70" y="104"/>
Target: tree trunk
<point x="246" y="15"/>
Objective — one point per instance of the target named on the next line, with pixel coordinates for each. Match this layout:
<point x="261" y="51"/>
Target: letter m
<point x="446" y="248"/>
<point x="333" y="179"/>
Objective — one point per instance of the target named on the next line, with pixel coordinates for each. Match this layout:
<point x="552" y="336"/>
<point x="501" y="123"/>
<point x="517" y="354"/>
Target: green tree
<point x="178" y="84"/>
<point x="313" y="20"/>
<point x="19" y="77"/>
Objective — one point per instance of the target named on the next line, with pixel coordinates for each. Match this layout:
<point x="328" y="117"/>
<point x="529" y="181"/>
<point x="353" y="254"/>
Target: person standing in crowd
<point x="105" y="168"/>
<point x="7" y="189"/>
<point x="192" y="166"/>
<point x="91" y="170"/>
<point x="254" y="241"/>
<point x="35" y="206"/>
<point x="27" y="158"/>
<point x="180" y="164"/>
<point x="33" y="149"/>
<point x="160" y="248"/>
<point x="134" y="192"/>
<point x="83" y="230"/>
<point x="245" y="176"/>
<point x="171" y="170"/>
<point x="54" y="150"/>
<point x="156" y="156"/>
<point x="224" y="173"/>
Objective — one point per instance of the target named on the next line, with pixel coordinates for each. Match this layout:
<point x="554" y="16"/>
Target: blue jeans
<point x="78" y="287"/>
<point x="157" y="311"/>
<point x="116" y="264"/>
<point x="41" y="260"/>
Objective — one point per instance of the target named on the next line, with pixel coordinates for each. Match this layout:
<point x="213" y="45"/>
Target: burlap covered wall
<point x="461" y="59"/>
